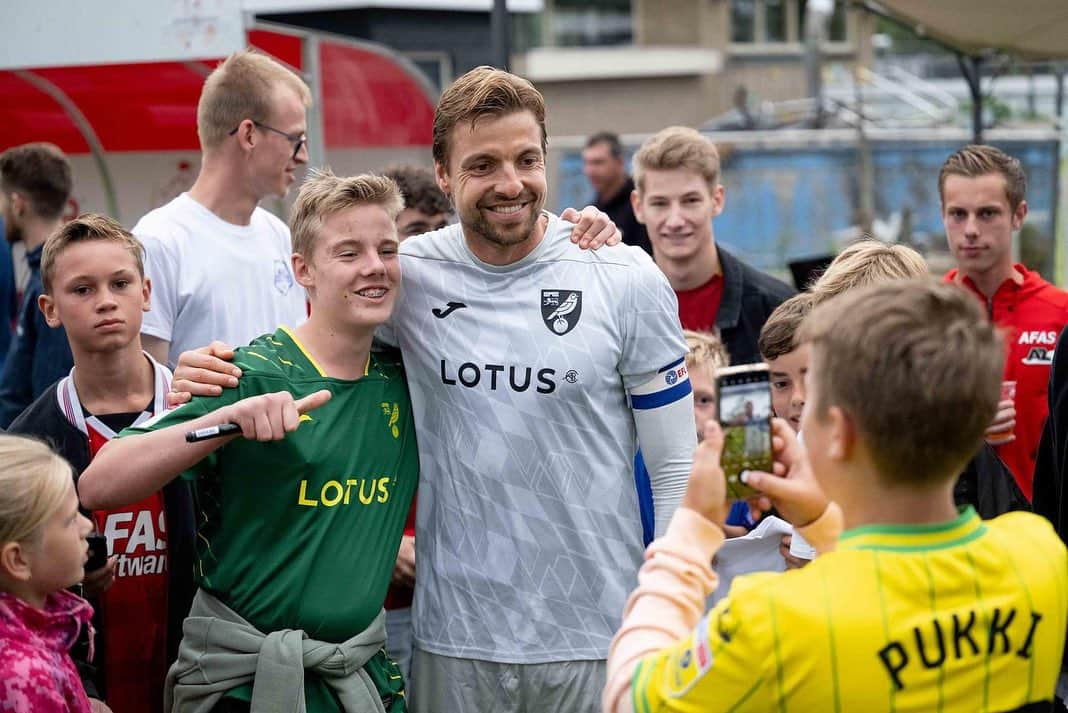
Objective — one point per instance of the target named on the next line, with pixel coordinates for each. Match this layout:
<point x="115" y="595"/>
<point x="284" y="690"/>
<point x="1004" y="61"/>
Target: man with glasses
<point x="219" y="264"/>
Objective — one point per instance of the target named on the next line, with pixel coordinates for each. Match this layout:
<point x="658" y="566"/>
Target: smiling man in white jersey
<point x="533" y="365"/>
<point x="534" y="368"/>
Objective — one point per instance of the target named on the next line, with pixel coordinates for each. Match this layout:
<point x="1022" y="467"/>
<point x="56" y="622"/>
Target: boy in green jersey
<point x="300" y="520"/>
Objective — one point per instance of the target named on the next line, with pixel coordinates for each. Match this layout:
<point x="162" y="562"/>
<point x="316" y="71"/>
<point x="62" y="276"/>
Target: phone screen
<point x="745" y="416"/>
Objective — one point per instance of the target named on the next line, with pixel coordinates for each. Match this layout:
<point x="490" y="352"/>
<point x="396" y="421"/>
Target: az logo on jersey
<point x="560" y="310"/>
<point x="1039" y="355"/>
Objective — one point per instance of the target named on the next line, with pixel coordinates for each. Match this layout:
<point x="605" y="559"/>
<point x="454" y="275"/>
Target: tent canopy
<point x="1031" y="29"/>
<point x="370" y="98"/>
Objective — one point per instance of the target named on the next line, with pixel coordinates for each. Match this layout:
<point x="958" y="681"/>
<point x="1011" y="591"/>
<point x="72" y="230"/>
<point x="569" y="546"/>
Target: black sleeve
<point x="1048" y="491"/>
<point x="16" y="379"/>
<point x="1047" y="496"/>
<point x="774" y="292"/>
<point x="988" y="485"/>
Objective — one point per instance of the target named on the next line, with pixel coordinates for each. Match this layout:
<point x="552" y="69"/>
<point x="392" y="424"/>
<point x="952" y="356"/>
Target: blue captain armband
<point x="667" y="386"/>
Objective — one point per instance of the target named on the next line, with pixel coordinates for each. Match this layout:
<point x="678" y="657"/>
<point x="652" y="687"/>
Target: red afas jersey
<point x="1032" y="314"/>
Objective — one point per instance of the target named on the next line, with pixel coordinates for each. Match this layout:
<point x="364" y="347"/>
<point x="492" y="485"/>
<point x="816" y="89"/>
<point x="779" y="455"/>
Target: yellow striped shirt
<point x="965" y="616"/>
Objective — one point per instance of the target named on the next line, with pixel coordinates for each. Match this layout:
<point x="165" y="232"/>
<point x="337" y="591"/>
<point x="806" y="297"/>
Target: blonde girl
<point x="43" y="549"/>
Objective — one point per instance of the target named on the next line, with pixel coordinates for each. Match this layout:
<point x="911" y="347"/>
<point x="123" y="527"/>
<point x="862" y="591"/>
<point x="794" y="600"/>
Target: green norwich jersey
<point x="303" y="533"/>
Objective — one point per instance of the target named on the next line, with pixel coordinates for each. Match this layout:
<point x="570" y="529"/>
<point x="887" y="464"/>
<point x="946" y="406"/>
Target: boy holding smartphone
<point x="875" y="495"/>
<point x="92" y="274"/>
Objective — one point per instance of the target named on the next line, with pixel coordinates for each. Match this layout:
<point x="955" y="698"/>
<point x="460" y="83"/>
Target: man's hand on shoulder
<point x="593" y="228"/>
<point x="203" y="372"/>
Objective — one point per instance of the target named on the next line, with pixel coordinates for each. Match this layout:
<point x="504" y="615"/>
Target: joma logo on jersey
<point x="561" y="309"/>
<point x="336" y="492"/>
<point x="518" y="377"/>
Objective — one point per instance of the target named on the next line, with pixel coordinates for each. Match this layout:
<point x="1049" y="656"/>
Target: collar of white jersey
<point x="71" y="405"/>
<point x="553" y="225"/>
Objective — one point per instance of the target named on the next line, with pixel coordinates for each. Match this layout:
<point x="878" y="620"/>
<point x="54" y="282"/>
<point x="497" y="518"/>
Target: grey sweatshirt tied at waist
<point x="221" y="651"/>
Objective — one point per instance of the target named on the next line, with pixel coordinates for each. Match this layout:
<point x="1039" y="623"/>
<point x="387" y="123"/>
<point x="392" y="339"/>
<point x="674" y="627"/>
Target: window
<point x="743" y="20"/>
<point x="437" y="66"/>
<point x="780" y="22"/>
<point x="574" y="23"/>
<point x="836" y="24"/>
<point x="775" y="29"/>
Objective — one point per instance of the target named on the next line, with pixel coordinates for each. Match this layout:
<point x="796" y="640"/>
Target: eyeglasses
<point x="298" y="140"/>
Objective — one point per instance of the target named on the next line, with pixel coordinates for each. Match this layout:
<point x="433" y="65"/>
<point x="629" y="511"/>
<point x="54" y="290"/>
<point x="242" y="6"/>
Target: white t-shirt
<point x="528" y="524"/>
<point x="215" y="280"/>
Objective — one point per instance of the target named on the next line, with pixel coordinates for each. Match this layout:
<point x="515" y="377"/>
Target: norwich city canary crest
<point x="561" y="309"/>
<point x="392" y="414"/>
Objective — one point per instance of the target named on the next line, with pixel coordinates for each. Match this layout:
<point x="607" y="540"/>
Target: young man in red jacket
<point x="982" y="191"/>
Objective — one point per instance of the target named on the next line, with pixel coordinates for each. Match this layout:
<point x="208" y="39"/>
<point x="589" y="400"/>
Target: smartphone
<point x="98" y="552"/>
<point x="744" y="403"/>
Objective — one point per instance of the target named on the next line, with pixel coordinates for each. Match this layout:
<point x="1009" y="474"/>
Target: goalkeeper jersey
<point x="303" y="533"/>
<point x="528" y="523"/>
<point x="962" y="617"/>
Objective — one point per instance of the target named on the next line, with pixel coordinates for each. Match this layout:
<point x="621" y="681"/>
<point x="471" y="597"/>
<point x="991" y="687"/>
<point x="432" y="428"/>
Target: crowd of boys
<point x="508" y="365"/>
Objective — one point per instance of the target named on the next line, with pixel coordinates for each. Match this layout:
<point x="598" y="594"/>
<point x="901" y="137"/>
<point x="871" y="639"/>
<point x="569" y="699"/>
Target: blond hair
<point x="242" y="87"/>
<point x="323" y="194"/>
<point x="88" y="226"/>
<point x="705" y="349"/>
<point x="484" y="92"/>
<point x="33" y="483"/>
<point x="677" y="147"/>
<point x="866" y="262"/>
<point x="778" y="336"/>
<point x="979" y="160"/>
<point x="916" y="365"/>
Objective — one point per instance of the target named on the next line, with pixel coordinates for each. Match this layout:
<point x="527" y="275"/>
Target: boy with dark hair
<point x="426" y="208"/>
<point x="93" y="286"/>
<point x="298" y="528"/>
<point x="786" y="359"/>
<point x="35" y="185"/>
<point x="893" y="415"/>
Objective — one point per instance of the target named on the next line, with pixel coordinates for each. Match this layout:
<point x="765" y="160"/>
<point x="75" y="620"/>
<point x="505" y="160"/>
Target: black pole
<point x="1059" y="71"/>
<point x="971" y="68"/>
<point x="499" y="31"/>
